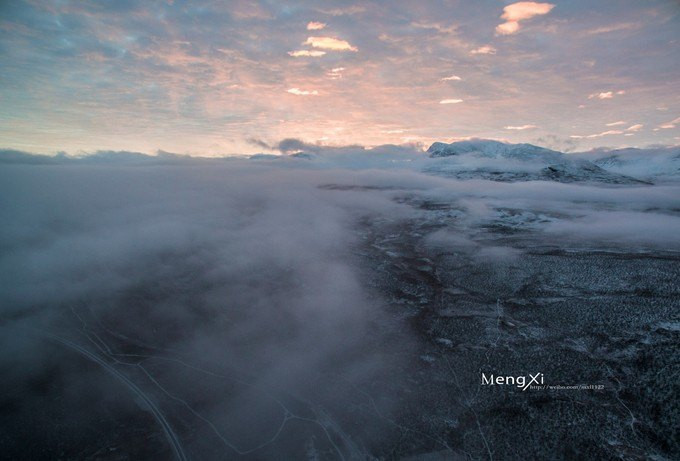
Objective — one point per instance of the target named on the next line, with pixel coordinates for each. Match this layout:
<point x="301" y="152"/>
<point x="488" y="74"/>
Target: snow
<point x="497" y="161"/>
<point x="654" y="164"/>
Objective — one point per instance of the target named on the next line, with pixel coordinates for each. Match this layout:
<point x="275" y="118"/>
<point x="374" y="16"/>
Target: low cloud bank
<point x="252" y="267"/>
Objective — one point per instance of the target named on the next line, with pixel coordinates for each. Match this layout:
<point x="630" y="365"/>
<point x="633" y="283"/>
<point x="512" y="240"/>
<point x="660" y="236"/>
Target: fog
<point x="237" y="295"/>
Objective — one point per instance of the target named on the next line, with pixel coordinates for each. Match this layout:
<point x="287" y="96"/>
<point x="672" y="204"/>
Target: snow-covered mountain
<point x="494" y="160"/>
<point x="490" y="148"/>
<point x="652" y="164"/>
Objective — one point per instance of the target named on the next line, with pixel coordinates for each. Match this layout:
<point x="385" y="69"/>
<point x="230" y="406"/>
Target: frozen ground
<point x="341" y="304"/>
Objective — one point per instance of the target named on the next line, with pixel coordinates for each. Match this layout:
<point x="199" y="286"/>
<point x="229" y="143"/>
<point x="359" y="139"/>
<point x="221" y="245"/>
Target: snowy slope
<point x="653" y="164"/>
<point x="487" y="159"/>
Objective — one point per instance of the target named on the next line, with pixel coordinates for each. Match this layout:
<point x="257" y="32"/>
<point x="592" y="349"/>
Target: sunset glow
<point x="205" y="79"/>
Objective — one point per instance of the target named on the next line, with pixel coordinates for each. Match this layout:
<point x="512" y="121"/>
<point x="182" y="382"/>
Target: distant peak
<point x="489" y="148"/>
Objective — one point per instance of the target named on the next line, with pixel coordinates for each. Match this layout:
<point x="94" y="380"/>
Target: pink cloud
<point x="306" y="53"/>
<point x="521" y="11"/>
<point x="596" y="135"/>
<point x="606" y="94"/>
<point x="486" y="49"/>
<point x="313" y="25"/>
<point x="520" y="127"/>
<point x="330" y="43"/>
<point x="299" y="92"/>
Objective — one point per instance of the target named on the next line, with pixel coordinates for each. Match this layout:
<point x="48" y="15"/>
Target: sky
<point x="236" y="77"/>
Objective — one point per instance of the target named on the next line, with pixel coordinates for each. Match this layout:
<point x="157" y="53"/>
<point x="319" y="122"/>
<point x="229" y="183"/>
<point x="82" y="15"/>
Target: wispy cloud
<point x="596" y="135"/>
<point x="451" y="78"/>
<point x="307" y="53"/>
<point x="330" y="43"/>
<point x="299" y="92"/>
<point x="313" y="25"/>
<point x="486" y="49"/>
<point x="636" y="127"/>
<point x="620" y="122"/>
<point x="347" y="11"/>
<point x="450" y="29"/>
<point x="520" y="11"/>
<point x="669" y="125"/>
<point x="520" y="127"/>
<point x="450" y="101"/>
<point x="606" y="94"/>
<point x="614" y="28"/>
<point x="335" y="73"/>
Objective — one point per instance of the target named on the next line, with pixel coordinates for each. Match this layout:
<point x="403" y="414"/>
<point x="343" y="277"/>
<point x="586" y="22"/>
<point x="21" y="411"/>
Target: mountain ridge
<point x="499" y="161"/>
